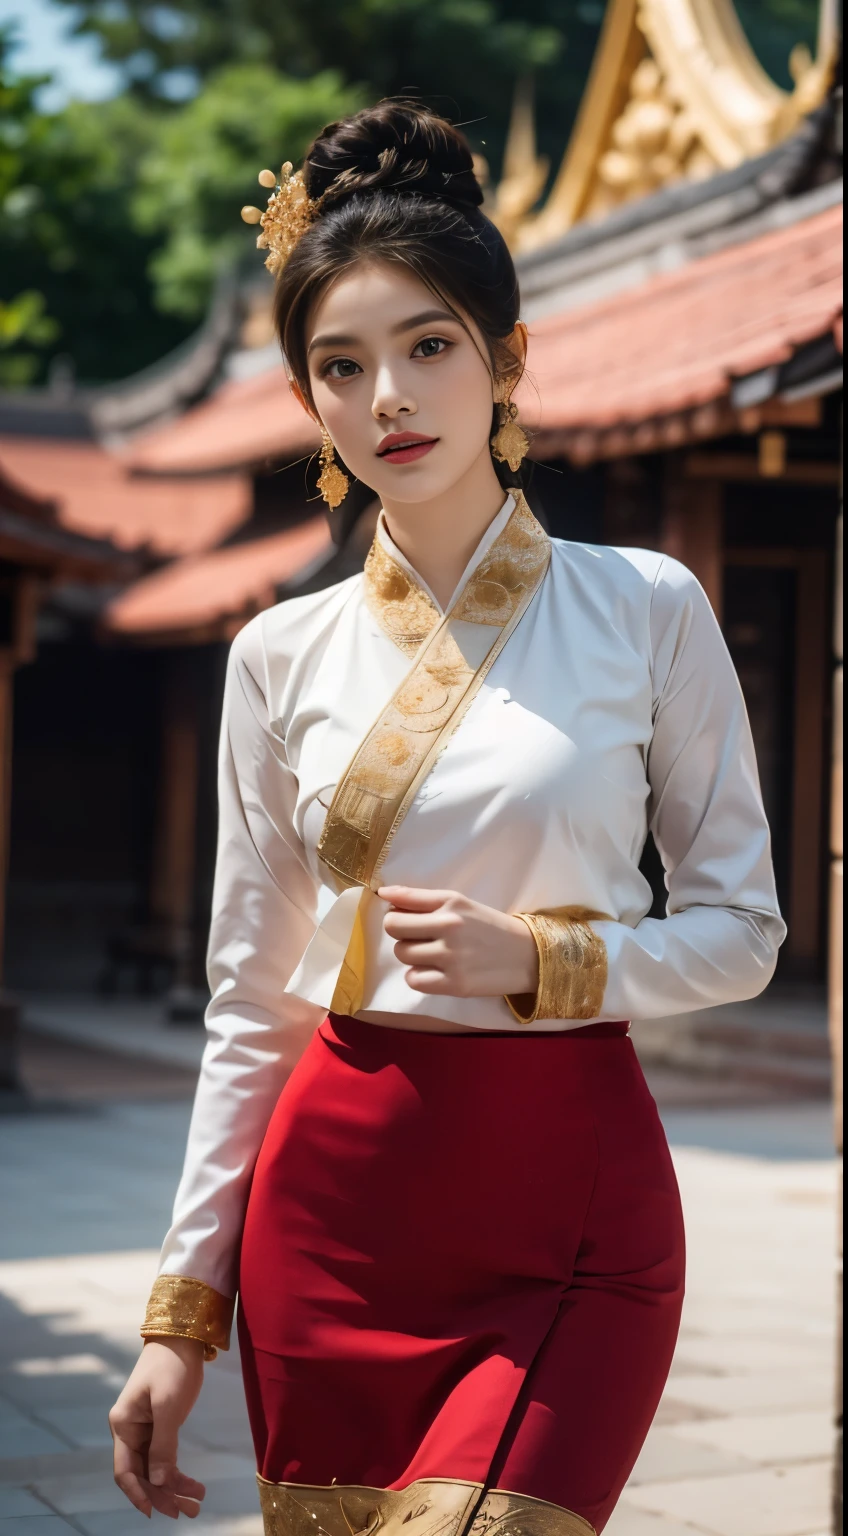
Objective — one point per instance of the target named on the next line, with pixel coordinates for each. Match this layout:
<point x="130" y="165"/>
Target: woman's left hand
<point x="458" y="947"/>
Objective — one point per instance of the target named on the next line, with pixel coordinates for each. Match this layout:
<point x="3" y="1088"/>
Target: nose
<point x="391" y="397"/>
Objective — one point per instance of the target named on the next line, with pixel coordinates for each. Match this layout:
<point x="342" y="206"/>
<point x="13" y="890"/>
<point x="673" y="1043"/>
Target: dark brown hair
<point x="398" y="185"/>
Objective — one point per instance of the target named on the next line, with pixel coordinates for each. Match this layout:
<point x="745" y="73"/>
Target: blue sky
<point x="46" y="48"/>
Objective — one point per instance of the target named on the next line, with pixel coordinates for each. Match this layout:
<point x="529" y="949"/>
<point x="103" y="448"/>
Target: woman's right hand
<point x="145" y="1424"/>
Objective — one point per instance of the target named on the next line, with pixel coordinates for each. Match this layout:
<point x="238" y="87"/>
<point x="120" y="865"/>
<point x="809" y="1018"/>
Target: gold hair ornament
<point x="286" y="219"/>
<point x="332" y="481"/>
<point x="509" y="444"/>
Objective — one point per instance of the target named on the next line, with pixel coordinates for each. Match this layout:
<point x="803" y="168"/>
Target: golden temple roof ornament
<point x="675" y="94"/>
<point x="524" y="171"/>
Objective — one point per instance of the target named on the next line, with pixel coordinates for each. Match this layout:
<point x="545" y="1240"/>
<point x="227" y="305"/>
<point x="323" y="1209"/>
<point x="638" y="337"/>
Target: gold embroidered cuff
<point x="572" y="966"/>
<point x="181" y="1307"/>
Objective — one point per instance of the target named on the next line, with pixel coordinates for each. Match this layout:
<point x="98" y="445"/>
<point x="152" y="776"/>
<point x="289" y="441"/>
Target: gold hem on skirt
<point x="431" y="1506"/>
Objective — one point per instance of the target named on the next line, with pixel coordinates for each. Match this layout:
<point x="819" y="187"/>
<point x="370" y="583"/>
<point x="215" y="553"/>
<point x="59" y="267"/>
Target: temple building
<point x="681" y="280"/>
<point x="38" y="554"/>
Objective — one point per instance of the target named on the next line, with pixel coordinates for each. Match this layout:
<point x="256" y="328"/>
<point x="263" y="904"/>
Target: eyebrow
<point x="411" y="324"/>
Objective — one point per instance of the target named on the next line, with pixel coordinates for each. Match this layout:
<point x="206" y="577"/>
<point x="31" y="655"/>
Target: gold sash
<point x="453" y="655"/>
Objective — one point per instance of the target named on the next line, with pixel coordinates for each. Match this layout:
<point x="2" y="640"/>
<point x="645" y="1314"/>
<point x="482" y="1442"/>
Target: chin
<point x="425" y="484"/>
<point x="413" y="495"/>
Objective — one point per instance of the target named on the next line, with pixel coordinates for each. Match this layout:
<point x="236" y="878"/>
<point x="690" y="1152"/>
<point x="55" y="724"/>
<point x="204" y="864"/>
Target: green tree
<point x="203" y="167"/>
<point x="24" y="325"/>
<point x="74" y="268"/>
<point x="464" y="56"/>
<point x="116" y="215"/>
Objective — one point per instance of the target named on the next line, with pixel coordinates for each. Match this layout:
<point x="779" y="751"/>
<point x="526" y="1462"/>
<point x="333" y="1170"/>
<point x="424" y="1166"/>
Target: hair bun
<point x="396" y="146"/>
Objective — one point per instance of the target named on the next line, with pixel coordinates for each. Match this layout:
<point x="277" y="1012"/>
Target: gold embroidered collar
<point x="398" y="600"/>
<point x="452" y="656"/>
<point x="403" y="610"/>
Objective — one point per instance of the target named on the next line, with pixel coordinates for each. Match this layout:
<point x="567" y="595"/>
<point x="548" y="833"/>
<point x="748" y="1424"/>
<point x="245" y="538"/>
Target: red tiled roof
<point x="203" y="592"/>
<point x="22" y="499"/>
<point x="94" y="495"/>
<point x="244" y="423"/>
<point x="672" y="345"/>
<point x="32" y="535"/>
<point x="677" y="342"/>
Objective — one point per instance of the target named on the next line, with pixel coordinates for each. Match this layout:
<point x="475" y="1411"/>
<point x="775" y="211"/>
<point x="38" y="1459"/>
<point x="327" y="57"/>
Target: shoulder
<point x="284" y="631"/>
<point x="609" y="580"/>
<point x="607" y="565"/>
<point x="639" y="575"/>
<point x="646" y="597"/>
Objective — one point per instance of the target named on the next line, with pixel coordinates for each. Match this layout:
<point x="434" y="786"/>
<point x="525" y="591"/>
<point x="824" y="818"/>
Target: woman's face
<point x="404" y="390"/>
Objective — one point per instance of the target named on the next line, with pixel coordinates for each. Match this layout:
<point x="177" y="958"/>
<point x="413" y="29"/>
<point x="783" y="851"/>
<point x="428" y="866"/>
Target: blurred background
<point x="668" y="175"/>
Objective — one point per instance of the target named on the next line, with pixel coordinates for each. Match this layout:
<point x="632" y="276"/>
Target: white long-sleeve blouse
<point x="612" y="709"/>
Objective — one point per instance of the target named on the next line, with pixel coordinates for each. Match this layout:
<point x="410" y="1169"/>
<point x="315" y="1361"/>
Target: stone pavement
<point x="741" y="1445"/>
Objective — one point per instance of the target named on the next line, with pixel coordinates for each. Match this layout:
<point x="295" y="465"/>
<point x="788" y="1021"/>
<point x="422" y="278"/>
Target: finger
<point x="434" y="982"/>
<point x="412" y="899"/>
<point x="135" y="1491"/>
<point x="188" y="1507"/>
<point x="128" y="1467"/>
<point x="411" y="925"/>
<point x="429" y="957"/>
<point x="164" y="1500"/>
<point x="162" y="1456"/>
<point x="421" y="925"/>
<point x="188" y="1487"/>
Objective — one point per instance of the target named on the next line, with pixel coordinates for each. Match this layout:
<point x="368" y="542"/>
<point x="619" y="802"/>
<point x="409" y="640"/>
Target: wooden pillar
<point x="835" y="996"/>
<point x="9" y="1079"/>
<point x="7" y="674"/>
<point x="692" y="530"/>
<point x="809" y="754"/>
<point x="19" y="600"/>
<point x="173" y="873"/>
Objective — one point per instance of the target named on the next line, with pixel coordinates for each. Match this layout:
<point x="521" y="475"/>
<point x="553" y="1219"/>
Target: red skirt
<point x="463" y="1259"/>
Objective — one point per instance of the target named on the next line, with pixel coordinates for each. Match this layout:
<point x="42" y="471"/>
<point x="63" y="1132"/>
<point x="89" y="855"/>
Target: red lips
<point x="394" y="442"/>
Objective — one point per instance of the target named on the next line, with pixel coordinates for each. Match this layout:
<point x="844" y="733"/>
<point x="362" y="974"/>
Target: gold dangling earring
<point x="509" y="444"/>
<point x="332" y="481"/>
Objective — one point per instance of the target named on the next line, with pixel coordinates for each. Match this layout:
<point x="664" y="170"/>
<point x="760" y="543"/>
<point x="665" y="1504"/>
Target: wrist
<point x="526" y="977"/>
<point x="572" y="961"/>
<point x="182" y="1307"/>
<point x="188" y="1350"/>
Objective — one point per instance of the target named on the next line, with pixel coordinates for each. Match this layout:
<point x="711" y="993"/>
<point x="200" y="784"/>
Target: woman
<point x="422" y="1151"/>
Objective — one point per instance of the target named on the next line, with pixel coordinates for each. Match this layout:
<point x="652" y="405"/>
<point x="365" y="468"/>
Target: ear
<point x="511" y="361"/>
<point x="301" y="398"/>
<point x="517" y="344"/>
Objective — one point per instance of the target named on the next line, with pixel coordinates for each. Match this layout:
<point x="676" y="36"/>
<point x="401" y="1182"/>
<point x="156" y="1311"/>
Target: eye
<point x="431" y="346"/>
<point x="340" y="368"/>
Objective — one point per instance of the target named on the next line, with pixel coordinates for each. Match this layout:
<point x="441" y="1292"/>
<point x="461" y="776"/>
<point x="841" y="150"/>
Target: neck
<point x="439" y="537"/>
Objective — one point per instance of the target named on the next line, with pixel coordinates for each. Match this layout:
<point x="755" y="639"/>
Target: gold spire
<point x="675" y="94"/>
<point x="524" y="172"/>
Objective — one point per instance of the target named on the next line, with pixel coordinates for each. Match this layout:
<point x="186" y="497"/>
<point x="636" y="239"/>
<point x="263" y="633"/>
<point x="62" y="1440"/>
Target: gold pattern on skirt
<point x="572" y="966"/>
<point x="431" y="1506"/>
<point x="181" y="1307"/>
<point x="451" y="664"/>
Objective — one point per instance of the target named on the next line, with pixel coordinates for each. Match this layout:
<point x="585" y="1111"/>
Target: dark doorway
<point x="759" y="626"/>
<point x="83" y="781"/>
